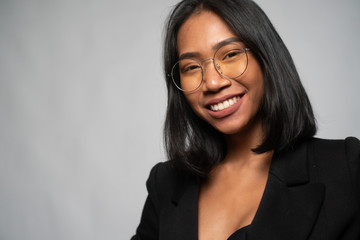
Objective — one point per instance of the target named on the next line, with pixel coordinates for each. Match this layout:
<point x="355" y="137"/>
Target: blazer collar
<point x="291" y="202"/>
<point x="288" y="209"/>
<point x="291" y="167"/>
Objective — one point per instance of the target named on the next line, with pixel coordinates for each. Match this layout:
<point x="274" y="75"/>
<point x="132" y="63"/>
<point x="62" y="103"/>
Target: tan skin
<point x="230" y="196"/>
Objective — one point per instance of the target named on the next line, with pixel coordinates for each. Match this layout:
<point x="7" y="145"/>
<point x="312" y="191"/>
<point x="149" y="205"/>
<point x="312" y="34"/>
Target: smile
<point x="225" y="104"/>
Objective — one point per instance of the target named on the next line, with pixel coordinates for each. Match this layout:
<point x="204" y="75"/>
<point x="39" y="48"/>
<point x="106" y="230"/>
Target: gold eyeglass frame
<point x="216" y="66"/>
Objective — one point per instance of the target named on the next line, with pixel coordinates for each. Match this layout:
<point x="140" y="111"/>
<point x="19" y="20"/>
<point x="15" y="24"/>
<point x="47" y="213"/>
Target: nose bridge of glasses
<point x="206" y="60"/>
<point x="215" y="64"/>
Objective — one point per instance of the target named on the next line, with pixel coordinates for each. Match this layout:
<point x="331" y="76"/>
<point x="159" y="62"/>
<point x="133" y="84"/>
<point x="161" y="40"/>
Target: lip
<point x="223" y="98"/>
<point x="227" y="111"/>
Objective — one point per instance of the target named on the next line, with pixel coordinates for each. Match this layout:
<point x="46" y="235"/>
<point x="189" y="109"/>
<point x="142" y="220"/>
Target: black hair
<point x="286" y="112"/>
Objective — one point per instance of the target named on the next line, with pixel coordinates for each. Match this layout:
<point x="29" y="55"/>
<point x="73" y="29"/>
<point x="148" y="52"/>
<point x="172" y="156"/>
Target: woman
<point x="239" y="135"/>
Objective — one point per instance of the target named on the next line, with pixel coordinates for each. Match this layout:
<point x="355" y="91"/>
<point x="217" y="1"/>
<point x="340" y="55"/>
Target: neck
<point x="240" y="145"/>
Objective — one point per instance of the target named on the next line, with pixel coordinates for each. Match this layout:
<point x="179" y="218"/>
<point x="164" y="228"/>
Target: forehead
<point x="201" y="32"/>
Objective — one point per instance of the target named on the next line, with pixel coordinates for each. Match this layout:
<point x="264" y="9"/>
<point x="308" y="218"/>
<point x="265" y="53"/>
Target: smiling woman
<point x="243" y="162"/>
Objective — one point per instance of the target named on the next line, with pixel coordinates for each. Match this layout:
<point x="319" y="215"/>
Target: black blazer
<point x="313" y="192"/>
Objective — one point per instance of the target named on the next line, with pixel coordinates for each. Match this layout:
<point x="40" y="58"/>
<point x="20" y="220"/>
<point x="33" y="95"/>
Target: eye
<point x="232" y="54"/>
<point x="187" y="66"/>
<point x="190" y="68"/>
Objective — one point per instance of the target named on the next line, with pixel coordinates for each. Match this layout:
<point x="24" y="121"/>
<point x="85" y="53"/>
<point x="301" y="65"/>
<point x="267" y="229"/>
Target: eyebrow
<point x="215" y="47"/>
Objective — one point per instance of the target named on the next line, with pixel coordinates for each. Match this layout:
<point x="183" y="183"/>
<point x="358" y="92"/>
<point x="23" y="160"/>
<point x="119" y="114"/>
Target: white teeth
<point x="221" y="106"/>
<point x="225" y="104"/>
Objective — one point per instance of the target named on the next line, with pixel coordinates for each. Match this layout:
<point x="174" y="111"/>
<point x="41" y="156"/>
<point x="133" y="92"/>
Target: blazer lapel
<point x="290" y="204"/>
<point x="288" y="209"/>
<point x="182" y="214"/>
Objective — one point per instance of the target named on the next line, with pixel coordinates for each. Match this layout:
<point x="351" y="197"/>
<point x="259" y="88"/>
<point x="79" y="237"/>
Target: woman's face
<point x="238" y="98"/>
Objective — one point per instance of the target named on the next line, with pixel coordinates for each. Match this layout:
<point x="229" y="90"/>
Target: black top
<point x="312" y="193"/>
<point x="239" y="234"/>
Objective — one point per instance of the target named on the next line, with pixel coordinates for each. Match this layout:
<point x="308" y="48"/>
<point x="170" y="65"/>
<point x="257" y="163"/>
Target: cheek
<point x="255" y="85"/>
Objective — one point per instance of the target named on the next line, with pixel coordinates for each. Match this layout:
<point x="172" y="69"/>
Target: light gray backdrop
<point x="82" y="103"/>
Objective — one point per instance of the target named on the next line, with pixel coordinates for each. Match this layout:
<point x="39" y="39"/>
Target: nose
<point x="213" y="80"/>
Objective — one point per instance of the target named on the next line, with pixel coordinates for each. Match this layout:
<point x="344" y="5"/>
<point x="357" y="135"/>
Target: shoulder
<point x="164" y="175"/>
<point x="348" y="144"/>
<point x="331" y="151"/>
<point x="336" y="163"/>
<point x="165" y="180"/>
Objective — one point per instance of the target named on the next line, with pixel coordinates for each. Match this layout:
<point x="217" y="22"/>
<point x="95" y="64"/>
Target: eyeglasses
<point x="230" y="61"/>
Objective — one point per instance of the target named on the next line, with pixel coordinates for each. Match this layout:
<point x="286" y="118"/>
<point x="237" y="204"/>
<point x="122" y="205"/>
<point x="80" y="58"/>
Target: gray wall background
<point x="82" y="102"/>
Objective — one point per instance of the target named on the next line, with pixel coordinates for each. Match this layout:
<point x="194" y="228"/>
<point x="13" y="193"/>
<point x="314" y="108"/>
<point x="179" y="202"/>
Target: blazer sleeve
<point x="148" y="228"/>
<point x="352" y="145"/>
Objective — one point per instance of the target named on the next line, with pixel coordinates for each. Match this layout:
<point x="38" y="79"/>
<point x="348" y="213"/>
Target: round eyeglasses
<point x="230" y="61"/>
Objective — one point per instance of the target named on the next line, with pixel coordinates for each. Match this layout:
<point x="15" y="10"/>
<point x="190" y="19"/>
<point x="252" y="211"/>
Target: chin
<point x="253" y="126"/>
<point x="228" y="130"/>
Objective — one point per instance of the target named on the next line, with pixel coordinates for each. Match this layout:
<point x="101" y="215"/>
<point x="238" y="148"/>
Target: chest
<point x="227" y="206"/>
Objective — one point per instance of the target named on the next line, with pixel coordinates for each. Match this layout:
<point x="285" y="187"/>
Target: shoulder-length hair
<point x="286" y="112"/>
